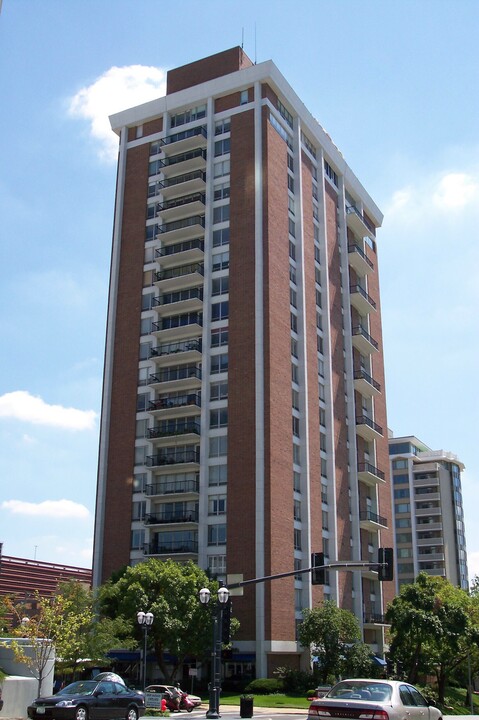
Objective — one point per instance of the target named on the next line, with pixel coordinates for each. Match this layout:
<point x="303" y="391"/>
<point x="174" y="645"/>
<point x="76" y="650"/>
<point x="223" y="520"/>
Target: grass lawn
<point x="276" y="700"/>
<point x="456" y="698"/>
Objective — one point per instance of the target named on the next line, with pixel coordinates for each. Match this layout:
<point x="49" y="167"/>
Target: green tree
<point x="181" y="626"/>
<point x="434" y="625"/>
<point x="334" y="636"/>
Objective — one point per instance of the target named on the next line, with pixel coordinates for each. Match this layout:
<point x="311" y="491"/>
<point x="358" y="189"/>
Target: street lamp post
<point x="217" y="611"/>
<point x="145" y="620"/>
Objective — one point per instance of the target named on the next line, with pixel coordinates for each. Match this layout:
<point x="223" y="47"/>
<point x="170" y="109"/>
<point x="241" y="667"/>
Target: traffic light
<point x="317" y="573"/>
<point x="226" y="624"/>
<point x="385" y="564"/>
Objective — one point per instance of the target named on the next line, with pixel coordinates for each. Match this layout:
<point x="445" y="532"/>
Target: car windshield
<point x="82" y="687"/>
<point x="361" y="690"/>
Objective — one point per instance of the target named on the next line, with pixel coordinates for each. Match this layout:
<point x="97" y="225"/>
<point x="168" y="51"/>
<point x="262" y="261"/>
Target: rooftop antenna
<point x="255" y="43"/>
<point x="242" y="37"/>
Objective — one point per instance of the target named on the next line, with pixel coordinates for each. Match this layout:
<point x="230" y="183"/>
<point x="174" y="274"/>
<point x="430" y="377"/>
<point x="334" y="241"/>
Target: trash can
<point x="246" y="707"/>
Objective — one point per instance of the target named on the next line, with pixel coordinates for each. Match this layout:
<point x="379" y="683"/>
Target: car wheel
<point x="132" y="714"/>
<point x="189" y="709"/>
<point x="81" y="713"/>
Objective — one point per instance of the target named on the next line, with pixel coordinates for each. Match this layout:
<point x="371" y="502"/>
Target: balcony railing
<point x="170" y="428"/>
<point x="180" y="271"/>
<point x="353" y="210"/>
<point x="374" y="618"/>
<point x="164" y="517"/>
<point x="179" y="296"/>
<point x="361" y="291"/>
<point x="176" y="180"/>
<point x="195" y="244"/>
<point x="181" y="224"/>
<point x="175" y="402"/>
<point x="354" y="248"/>
<point x="180" y="202"/>
<point x="173" y="487"/>
<point x="366" y="467"/>
<point x="365" y="420"/>
<point x="175" y="373"/>
<point x="369" y="516"/>
<point x="176" y="321"/>
<point x="184" y="157"/>
<point x="176" y="347"/>
<point x="184" y="135"/>
<point x="172" y="547"/>
<point x="174" y="456"/>
<point x="359" y="330"/>
<point x="361" y="374"/>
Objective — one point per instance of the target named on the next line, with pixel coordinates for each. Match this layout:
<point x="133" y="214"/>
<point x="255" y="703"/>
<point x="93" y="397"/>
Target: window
<point x="296" y="454"/>
<point x="330" y="173"/>
<point x="244" y="97"/>
<point x="141" y="428"/>
<point x="324" y="467"/>
<point x="292" y="271"/>
<point x="138" y="510"/>
<point x="222" y="191"/>
<point x="404" y="538"/>
<point x="403" y="507"/>
<point x="295" y="425"/>
<point x="295" y="399"/>
<point x="285" y="114"/>
<point x="296" y="510"/>
<point x="217" y="564"/>
<point x="221" y="237"/>
<point x="294" y="373"/>
<point x="400" y="479"/>
<point x="322" y="442"/>
<point x="140" y="455"/>
<point x="145" y="325"/>
<point x="324" y="520"/>
<point x="291" y="183"/>
<point x="219" y="390"/>
<point x="139" y="482"/>
<point x="220" y="286"/>
<point x="147" y="300"/>
<point x="290" y="161"/>
<point x="189" y="115"/>
<point x="296" y="481"/>
<point x="218" y="475"/>
<point x="145" y="349"/>
<point x="221" y="168"/>
<point x="218" y="446"/>
<point x="217" y="535"/>
<point x="142" y="401"/>
<point x="217" y="505"/>
<point x="399" y="464"/>
<point x="222" y="147"/>
<point x="143" y="375"/>
<point x="403" y="522"/>
<point x="137" y="539"/>
<point x="221" y="261"/>
<point x="222" y="126"/>
<point x="401" y="493"/>
<point x="297" y="539"/>
<point x="294" y="347"/>
<point x="322" y="416"/>
<point x="219" y="363"/>
<point x="294" y="322"/>
<point x="219" y="337"/>
<point x="220" y="311"/>
<point x="292" y="253"/>
<point x="291" y="227"/>
<point x="219" y="418"/>
<point x="221" y="214"/>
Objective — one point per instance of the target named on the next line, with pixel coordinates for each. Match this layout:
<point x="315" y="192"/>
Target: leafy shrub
<point x="295" y="681"/>
<point x="264" y="686"/>
<point x="154" y="712"/>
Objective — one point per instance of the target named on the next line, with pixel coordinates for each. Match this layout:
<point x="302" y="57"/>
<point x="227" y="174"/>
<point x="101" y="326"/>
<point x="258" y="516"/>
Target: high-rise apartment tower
<point x="429" y="513"/>
<point x="244" y="417"/>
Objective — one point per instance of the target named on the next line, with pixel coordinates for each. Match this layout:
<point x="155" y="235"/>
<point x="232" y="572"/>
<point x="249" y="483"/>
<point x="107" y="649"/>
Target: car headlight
<point x="66" y="703"/>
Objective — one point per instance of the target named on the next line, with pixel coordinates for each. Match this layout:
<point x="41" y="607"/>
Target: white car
<point x="374" y="700"/>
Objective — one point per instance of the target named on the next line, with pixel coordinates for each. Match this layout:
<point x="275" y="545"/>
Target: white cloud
<point x="59" y="509"/>
<point x="117" y="89"/>
<point x="20" y="405"/>
<point x="455" y="190"/>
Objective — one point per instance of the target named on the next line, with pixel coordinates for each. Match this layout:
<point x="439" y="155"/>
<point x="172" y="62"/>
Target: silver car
<point x="373" y="700"/>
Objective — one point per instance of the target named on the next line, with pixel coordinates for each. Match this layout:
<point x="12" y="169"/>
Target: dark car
<point x="90" y="700"/>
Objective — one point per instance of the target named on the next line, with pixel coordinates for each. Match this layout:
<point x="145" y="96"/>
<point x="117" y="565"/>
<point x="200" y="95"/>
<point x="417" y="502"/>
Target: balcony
<point x="182" y="163"/>
<point x="184" y="229"/>
<point x="166" y="517"/>
<point x="370" y="475"/>
<point x="358" y="260"/>
<point x="190" y="251"/>
<point x="181" y="206"/>
<point x="180" y="377"/>
<point x="372" y="619"/>
<point x="174" y="456"/>
<point x="189" y="350"/>
<point x="363" y="341"/>
<point x="185" y="140"/>
<point x="172" y="547"/>
<point x="173" y="487"/>
<point x="176" y="406"/>
<point x="365" y="384"/>
<point x="179" y="326"/>
<point x="368" y="520"/>
<point x="179" y="184"/>
<point x="181" y="429"/>
<point x="368" y="429"/>
<point x="363" y="302"/>
<point x="358" y="224"/>
<point x="177" y="278"/>
<point x="181" y="301"/>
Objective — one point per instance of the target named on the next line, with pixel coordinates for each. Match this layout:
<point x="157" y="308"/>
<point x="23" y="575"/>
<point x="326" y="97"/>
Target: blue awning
<point x="379" y="661"/>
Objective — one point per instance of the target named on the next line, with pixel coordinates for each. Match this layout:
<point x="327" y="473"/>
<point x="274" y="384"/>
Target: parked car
<point x="90" y="700"/>
<point x="373" y="699"/>
<point x="187" y="701"/>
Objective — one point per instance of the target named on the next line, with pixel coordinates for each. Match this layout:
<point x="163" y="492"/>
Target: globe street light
<point x="217" y="612"/>
<point x="145" y="620"/>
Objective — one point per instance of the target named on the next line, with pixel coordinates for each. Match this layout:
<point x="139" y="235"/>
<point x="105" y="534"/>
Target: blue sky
<point x="395" y="85"/>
